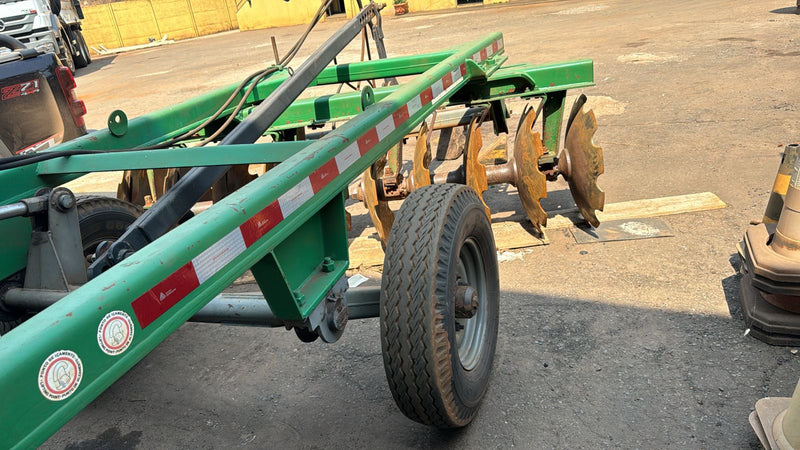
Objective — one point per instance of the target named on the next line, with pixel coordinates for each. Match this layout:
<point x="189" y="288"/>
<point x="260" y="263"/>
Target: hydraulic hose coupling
<point x="786" y="240"/>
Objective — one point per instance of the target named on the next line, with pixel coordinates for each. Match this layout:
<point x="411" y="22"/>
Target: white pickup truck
<point x="48" y="26"/>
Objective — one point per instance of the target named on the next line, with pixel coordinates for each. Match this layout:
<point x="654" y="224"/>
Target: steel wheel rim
<point x="471" y="333"/>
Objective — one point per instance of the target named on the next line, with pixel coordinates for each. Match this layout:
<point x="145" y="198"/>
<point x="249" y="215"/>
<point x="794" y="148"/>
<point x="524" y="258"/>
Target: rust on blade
<point x="581" y="162"/>
<point x="420" y="171"/>
<point x="531" y="183"/>
<point x="475" y="171"/>
<point x="380" y="213"/>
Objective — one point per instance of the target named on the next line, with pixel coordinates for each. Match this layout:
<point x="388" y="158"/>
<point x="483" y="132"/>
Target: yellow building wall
<point x="135" y="22"/>
<point x="276" y="13"/>
<point x="429" y="5"/>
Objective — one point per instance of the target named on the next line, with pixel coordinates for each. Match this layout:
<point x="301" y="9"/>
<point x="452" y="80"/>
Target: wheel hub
<point x="466" y="302"/>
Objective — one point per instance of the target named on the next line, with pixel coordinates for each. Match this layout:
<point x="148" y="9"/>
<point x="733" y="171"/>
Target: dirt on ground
<point x="636" y="344"/>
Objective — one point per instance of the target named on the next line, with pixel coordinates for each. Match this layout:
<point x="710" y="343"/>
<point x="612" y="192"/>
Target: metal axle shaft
<point x="248" y="308"/>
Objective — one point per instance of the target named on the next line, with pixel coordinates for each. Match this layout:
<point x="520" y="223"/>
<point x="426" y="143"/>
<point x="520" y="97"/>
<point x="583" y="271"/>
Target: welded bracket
<point x="55" y="255"/>
<point x="297" y="275"/>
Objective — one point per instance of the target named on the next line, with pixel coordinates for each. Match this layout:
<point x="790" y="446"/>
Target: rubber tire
<point x="82" y="58"/>
<point x="66" y="55"/>
<point x="103" y="219"/>
<point x="55" y="7"/>
<point x="417" y="315"/>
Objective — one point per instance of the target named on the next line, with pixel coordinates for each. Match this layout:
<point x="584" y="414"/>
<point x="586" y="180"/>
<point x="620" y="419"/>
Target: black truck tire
<point x="55" y="7"/>
<point x="441" y="241"/>
<point x="81" y="55"/>
<point x="65" y="54"/>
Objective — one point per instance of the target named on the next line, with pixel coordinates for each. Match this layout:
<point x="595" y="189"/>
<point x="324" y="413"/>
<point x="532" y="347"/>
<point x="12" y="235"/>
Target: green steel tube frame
<point x="314" y="228"/>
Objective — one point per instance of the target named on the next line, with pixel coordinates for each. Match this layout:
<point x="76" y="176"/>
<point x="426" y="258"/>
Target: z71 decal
<point x="20" y="89"/>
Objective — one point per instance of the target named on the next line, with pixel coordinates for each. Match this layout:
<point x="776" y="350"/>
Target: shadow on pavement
<point x="98" y="62"/>
<point x="569" y="373"/>
<point x="786" y="10"/>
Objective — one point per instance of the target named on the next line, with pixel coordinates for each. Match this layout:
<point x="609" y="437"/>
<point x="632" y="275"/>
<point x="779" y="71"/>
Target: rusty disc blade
<point x="531" y="183"/>
<point x="473" y="169"/>
<point x="382" y="217"/>
<point x="581" y="162"/>
<point x="420" y="172"/>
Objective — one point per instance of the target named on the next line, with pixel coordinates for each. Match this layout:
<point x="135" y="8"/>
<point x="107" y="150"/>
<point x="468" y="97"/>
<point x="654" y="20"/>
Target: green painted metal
<point x="71" y="324"/>
<point x="19" y="183"/>
<point x="527" y="81"/>
<point x="553" y="112"/>
<point x="222" y="155"/>
<point x="522" y="81"/>
<point x="287" y="261"/>
<point x="291" y="275"/>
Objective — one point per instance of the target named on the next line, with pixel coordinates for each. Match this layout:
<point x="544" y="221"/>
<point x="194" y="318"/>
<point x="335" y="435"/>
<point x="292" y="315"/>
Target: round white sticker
<point x="115" y="332"/>
<point x="60" y="375"/>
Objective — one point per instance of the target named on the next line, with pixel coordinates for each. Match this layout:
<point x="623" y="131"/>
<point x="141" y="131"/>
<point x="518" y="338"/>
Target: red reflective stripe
<point x="367" y="141"/>
<point x="258" y="225"/>
<point x="160" y="298"/>
<point x="495" y="45"/>
<point x="447" y="81"/>
<point x="166" y="294"/>
<point x="400" y="116"/>
<point x="426" y="96"/>
<point x="483" y="54"/>
<point x="322" y="176"/>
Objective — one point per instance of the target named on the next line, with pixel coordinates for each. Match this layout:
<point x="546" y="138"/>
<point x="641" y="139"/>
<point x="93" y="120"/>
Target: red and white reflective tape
<point x="175" y="287"/>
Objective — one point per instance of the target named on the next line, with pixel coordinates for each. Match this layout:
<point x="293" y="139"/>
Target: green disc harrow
<point x="90" y="285"/>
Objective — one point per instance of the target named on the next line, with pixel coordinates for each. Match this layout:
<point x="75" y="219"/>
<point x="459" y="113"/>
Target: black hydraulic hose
<point x="236" y="110"/>
<point x="257" y="76"/>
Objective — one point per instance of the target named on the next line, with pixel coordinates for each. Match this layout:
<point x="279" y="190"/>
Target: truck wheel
<point x="99" y="219"/>
<point x="66" y="52"/>
<point x="439" y="310"/>
<point x="81" y="57"/>
<point x="55" y="7"/>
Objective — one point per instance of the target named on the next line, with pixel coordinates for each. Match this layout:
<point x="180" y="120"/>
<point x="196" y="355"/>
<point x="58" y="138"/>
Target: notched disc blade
<point x="473" y="169"/>
<point x="584" y="162"/>
<point x="531" y="183"/>
<point x="420" y="172"/>
<point x="382" y="217"/>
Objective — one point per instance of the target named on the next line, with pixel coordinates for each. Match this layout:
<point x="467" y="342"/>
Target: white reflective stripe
<point x="347" y="157"/>
<point x="477" y="57"/>
<point x="414" y="105"/>
<point x="217" y="256"/>
<point x="456" y="75"/>
<point x="437" y="88"/>
<point x="296" y="196"/>
<point x="385" y="127"/>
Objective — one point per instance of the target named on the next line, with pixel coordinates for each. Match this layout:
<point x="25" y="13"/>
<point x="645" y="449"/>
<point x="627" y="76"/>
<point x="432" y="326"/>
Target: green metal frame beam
<point x="523" y="81"/>
<point x="221" y="155"/>
<point x="161" y="286"/>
